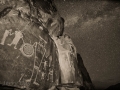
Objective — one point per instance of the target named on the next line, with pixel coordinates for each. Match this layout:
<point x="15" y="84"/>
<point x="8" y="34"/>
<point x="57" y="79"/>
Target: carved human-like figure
<point x="2" y="1"/>
<point x="42" y="75"/>
<point x="18" y="36"/>
<point x="50" y="75"/>
<point x="45" y="65"/>
<point x="6" y="34"/>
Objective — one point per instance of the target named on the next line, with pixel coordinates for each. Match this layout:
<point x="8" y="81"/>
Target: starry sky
<point x="94" y="27"/>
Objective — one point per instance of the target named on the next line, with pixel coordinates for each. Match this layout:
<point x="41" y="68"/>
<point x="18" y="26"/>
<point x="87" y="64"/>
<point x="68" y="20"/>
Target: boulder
<point x="28" y="55"/>
<point x="31" y="44"/>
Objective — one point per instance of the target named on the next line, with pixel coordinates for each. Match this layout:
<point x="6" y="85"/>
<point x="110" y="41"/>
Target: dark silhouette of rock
<point x="86" y="78"/>
<point x="114" y="87"/>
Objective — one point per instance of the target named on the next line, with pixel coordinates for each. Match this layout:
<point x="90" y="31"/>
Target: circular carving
<point x="27" y="50"/>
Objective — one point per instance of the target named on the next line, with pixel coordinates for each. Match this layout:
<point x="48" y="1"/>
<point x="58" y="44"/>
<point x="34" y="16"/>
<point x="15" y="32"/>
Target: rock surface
<point x="87" y="83"/>
<point x="29" y="55"/>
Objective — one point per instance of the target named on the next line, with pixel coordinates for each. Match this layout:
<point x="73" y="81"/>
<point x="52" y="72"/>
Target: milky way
<point x="95" y="28"/>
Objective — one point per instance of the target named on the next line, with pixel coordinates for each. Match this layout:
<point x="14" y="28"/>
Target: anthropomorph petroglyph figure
<point x="2" y="1"/>
<point x="38" y="68"/>
<point x="18" y="36"/>
<point x="45" y="65"/>
<point x="42" y="75"/>
<point x="50" y="75"/>
<point x="6" y="34"/>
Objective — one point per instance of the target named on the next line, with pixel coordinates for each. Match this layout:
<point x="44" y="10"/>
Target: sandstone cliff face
<point x="28" y="53"/>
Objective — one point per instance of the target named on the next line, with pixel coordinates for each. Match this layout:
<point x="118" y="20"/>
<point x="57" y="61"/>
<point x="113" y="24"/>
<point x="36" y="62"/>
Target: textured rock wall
<point x="29" y="52"/>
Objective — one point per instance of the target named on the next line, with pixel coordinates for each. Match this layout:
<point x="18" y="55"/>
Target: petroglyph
<point x="5" y="35"/>
<point x="18" y="36"/>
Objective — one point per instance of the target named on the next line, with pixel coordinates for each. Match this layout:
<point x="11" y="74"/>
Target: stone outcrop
<point x="28" y="55"/>
<point x="34" y="53"/>
<point x="87" y="83"/>
<point x="114" y="87"/>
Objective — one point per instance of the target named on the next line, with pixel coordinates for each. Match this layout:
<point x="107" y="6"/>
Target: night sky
<point x="94" y="27"/>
